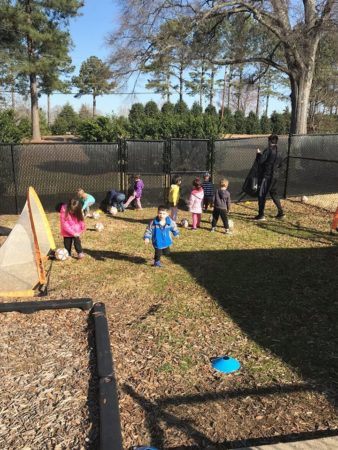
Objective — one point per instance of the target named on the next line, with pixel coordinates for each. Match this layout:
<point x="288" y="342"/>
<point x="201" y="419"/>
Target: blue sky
<point x="89" y="31"/>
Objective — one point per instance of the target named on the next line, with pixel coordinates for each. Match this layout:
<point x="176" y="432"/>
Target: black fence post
<point x="14" y="180"/>
<point x="211" y="157"/>
<point x="287" y="166"/>
<point x="124" y="164"/>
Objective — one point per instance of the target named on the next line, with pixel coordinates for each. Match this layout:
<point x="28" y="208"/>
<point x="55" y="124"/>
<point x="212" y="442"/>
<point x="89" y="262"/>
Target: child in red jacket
<point x="72" y="226"/>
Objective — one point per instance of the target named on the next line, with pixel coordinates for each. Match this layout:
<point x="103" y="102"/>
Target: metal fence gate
<point x="57" y="170"/>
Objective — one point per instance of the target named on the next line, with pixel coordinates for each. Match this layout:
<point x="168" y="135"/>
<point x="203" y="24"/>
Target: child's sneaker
<point x="227" y="231"/>
<point x="213" y="229"/>
<point x="157" y="264"/>
<point x="80" y="255"/>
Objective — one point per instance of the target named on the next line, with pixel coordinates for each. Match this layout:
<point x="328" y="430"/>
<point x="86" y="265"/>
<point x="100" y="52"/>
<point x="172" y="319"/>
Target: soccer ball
<point x="61" y="254"/>
<point x="231" y="224"/>
<point x="99" y="226"/>
<point x="304" y="199"/>
<point x="184" y="223"/>
<point x="113" y="211"/>
<point x="96" y="215"/>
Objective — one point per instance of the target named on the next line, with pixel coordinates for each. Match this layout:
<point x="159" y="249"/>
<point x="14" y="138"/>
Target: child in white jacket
<point x="195" y="203"/>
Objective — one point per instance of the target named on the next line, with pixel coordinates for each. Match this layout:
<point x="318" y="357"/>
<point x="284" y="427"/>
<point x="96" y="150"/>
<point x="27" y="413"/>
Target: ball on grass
<point x="231" y="224"/>
<point x="99" y="226"/>
<point x="61" y="254"/>
<point x="304" y="199"/>
<point x="96" y="215"/>
<point x="184" y="223"/>
<point x="113" y="211"/>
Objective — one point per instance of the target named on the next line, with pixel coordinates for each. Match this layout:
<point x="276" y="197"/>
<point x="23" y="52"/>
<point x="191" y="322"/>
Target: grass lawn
<point x="267" y="295"/>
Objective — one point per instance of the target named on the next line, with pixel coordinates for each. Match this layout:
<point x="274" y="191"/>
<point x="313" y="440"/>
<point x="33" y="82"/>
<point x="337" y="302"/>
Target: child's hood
<point x="198" y="193"/>
<point x="223" y="193"/>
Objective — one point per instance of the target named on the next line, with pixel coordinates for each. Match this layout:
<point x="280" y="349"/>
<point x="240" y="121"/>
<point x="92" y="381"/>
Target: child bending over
<point x="72" y="226"/>
<point x="222" y="205"/>
<point x="86" y="200"/>
<point x="159" y="232"/>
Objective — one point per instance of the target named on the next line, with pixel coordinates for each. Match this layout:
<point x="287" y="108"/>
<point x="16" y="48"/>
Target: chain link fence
<point x="313" y="169"/>
<point x="57" y="170"/>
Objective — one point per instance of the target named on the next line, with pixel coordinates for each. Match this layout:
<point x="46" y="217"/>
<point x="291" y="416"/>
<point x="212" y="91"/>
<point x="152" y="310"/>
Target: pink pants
<point x="196" y="220"/>
<point x="131" y="198"/>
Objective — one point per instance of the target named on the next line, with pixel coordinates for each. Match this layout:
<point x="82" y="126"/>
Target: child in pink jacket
<point x="195" y="203"/>
<point x="72" y="225"/>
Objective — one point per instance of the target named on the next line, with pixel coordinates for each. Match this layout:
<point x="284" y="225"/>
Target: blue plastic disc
<point x="225" y="364"/>
<point x="145" y="448"/>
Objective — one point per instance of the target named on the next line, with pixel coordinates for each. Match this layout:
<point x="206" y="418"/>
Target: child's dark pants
<point x="67" y="241"/>
<point x="224" y="216"/>
<point x="161" y="251"/>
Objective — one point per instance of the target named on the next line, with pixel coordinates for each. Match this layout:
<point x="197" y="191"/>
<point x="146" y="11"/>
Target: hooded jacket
<point x="160" y="234"/>
<point x="222" y="199"/>
<point x="195" y="201"/>
<point x="70" y="224"/>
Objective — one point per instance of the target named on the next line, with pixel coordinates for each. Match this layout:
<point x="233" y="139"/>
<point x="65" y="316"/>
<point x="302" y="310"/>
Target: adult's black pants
<point x="268" y="186"/>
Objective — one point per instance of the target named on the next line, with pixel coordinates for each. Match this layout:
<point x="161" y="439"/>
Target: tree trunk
<point x="36" y="135"/>
<point x="13" y="97"/>
<point x="229" y="88"/>
<point x="212" y="82"/>
<point x="258" y="98"/>
<point x="94" y="105"/>
<point x="223" y="93"/>
<point x="48" y="109"/>
<point x="181" y="83"/>
<point x="267" y="105"/>
<point x="300" y="98"/>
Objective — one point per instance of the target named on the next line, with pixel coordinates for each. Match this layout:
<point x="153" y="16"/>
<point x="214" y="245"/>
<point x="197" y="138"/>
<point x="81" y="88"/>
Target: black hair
<point x="176" y="179"/>
<point x="273" y="139"/>
<point x="162" y="208"/>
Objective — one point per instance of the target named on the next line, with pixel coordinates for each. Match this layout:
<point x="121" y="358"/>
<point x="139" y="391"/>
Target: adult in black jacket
<point x="268" y="162"/>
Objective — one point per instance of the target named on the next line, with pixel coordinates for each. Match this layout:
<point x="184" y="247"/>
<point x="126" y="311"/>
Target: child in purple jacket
<point x="137" y="194"/>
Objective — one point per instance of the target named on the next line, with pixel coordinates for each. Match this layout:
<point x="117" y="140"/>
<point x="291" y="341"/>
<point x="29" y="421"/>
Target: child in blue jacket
<point x="158" y="231"/>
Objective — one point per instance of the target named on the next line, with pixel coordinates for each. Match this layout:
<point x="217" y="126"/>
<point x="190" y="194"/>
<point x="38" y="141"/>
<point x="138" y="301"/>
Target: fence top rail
<point x="314" y="135"/>
<point x="22" y="144"/>
<point x="191" y="139"/>
<point x="314" y="159"/>
<point x="144" y="140"/>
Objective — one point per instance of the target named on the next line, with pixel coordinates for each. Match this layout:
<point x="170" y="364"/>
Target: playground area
<point x="265" y="295"/>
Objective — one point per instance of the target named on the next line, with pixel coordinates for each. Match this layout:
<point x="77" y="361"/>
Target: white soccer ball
<point x="184" y="223"/>
<point x="304" y="199"/>
<point x="113" y="211"/>
<point x="99" y="226"/>
<point x="231" y="224"/>
<point x="96" y="215"/>
<point x="61" y="254"/>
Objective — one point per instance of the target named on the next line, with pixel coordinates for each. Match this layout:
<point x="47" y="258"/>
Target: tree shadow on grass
<point x="157" y="414"/>
<point x="102" y="255"/>
<point x="300" y="232"/>
<point x="283" y="299"/>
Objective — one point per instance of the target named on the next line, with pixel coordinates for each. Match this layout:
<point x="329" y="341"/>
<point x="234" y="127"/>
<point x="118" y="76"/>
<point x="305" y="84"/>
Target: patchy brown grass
<point x="265" y="295"/>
